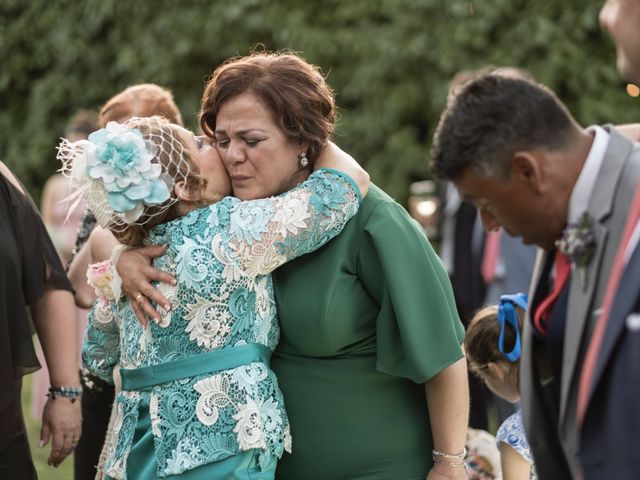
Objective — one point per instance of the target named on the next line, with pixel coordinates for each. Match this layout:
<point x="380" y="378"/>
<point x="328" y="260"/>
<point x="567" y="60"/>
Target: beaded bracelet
<point x="72" y="393"/>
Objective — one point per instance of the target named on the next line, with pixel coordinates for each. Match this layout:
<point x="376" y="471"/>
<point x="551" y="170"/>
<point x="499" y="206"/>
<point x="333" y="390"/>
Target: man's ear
<point x="181" y="190"/>
<point x="526" y="168"/>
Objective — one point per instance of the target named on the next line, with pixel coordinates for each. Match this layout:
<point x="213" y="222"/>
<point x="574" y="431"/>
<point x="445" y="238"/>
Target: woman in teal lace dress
<point x="198" y="398"/>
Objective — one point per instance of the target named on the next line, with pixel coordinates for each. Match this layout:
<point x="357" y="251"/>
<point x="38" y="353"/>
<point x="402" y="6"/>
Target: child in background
<point x="493" y="344"/>
<point x="198" y="398"/>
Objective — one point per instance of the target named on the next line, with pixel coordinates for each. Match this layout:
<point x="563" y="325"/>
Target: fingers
<point x="45" y="434"/>
<point x="61" y="446"/>
<point x="153" y="274"/>
<point x="153" y="251"/>
<point x="147" y="307"/>
<point x="139" y="313"/>
<point x="141" y="302"/>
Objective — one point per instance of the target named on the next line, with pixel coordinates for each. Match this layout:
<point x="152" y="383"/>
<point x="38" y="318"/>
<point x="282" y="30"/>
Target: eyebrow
<point x="241" y="132"/>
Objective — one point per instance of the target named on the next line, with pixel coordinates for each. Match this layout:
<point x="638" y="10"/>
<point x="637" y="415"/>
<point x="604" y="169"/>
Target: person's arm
<point x="136" y="272"/>
<point x="514" y="465"/>
<point x="448" y="402"/>
<point x="84" y="296"/>
<point x="49" y="197"/>
<point x="294" y="223"/>
<point x="333" y="157"/>
<point x="54" y="317"/>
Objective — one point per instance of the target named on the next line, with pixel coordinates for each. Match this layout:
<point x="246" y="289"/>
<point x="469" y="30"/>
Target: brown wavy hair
<point x="291" y="88"/>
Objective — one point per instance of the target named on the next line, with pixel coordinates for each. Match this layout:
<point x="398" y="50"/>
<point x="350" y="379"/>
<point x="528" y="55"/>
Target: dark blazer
<point x="610" y="436"/>
<point x="551" y="425"/>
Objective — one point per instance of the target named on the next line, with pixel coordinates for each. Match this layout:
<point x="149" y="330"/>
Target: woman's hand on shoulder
<point x="334" y="157"/>
<point x="136" y="272"/>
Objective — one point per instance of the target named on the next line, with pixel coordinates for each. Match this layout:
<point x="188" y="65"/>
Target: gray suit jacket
<point x="555" y="445"/>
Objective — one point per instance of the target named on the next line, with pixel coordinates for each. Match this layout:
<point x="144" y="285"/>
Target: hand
<point x="61" y="421"/>
<point x="136" y="272"/>
<point x="440" y="471"/>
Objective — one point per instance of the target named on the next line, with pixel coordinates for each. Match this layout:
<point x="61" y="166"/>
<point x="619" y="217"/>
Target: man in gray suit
<point x="514" y="150"/>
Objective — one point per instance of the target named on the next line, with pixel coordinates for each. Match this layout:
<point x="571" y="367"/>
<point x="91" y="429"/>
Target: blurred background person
<point x="53" y="211"/>
<point x="483" y="265"/>
<point x="62" y="230"/>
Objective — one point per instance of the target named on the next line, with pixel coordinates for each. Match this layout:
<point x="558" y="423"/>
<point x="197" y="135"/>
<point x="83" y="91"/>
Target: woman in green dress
<point x="370" y="359"/>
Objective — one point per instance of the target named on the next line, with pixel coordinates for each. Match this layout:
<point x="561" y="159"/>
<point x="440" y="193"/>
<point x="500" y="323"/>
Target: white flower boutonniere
<point x="578" y="244"/>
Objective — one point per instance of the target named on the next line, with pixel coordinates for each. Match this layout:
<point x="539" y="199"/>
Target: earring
<point x="302" y="158"/>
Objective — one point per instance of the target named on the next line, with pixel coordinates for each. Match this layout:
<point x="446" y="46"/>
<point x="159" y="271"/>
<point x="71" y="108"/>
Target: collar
<point x="583" y="189"/>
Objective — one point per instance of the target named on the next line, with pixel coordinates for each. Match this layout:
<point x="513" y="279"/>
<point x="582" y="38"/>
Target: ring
<point x="139" y="298"/>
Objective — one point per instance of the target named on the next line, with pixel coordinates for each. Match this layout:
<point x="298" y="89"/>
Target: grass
<point x="40" y="455"/>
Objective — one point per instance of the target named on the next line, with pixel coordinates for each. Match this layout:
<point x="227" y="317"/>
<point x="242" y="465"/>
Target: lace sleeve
<point x="264" y="234"/>
<point x="101" y="343"/>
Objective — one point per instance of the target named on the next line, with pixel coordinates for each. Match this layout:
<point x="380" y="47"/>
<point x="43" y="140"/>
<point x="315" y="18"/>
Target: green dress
<point x="365" y="321"/>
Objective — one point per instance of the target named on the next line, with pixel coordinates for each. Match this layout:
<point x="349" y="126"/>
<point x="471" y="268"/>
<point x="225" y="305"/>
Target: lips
<point x="239" y="178"/>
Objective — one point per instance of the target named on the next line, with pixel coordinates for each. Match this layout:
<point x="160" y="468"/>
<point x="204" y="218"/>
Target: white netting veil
<point x="126" y="172"/>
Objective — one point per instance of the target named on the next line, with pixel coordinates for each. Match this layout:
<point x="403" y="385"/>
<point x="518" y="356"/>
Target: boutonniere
<point x="578" y="244"/>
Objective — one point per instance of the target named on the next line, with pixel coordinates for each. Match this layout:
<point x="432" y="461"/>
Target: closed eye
<point x="252" y="142"/>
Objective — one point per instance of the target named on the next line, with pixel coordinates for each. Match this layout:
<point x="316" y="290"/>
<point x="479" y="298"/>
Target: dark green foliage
<point x="389" y="63"/>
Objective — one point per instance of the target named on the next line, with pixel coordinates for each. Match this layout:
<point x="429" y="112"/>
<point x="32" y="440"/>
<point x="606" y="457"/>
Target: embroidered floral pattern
<point x="222" y="256"/>
<point x="250" y="435"/>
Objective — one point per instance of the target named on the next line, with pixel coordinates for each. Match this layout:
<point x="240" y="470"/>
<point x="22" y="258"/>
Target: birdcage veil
<point x="126" y="172"/>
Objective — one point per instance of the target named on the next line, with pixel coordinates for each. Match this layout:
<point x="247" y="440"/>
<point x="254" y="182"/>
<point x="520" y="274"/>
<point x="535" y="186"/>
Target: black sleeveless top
<point x="29" y="265"/>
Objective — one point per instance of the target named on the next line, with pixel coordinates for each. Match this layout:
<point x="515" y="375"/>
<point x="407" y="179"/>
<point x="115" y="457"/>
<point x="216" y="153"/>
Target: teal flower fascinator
<point x="117" y="170"/>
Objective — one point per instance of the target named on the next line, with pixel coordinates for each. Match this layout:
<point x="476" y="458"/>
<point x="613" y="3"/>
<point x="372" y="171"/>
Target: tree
<point x="389" y="62"/>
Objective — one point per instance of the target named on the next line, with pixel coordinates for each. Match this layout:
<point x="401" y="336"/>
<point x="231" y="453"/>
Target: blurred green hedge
<point x="389" y="63"/>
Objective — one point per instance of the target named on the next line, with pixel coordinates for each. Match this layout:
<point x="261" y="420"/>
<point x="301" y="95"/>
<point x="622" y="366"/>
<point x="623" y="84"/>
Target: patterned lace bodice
<point x="222" y="256"/>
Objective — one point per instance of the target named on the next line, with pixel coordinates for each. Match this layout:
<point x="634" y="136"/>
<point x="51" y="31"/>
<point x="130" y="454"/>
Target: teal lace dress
<point x="201" y="377"/>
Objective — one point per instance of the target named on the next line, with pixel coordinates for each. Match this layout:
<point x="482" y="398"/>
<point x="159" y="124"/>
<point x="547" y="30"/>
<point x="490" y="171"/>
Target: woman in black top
<point x="31" y="276"/>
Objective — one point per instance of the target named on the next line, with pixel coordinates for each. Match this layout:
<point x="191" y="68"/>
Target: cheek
<point x="224" y="158"/>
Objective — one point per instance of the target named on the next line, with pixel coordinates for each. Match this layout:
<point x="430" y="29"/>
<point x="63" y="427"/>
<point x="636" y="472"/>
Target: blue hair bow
<point x="507" y="315"/>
